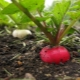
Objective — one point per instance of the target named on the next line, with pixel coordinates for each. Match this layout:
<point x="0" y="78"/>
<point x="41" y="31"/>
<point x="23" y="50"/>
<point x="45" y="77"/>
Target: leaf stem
<point x="67" y="29"/>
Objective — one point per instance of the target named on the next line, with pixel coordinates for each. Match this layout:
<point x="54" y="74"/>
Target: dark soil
<point x="19" y="57"/>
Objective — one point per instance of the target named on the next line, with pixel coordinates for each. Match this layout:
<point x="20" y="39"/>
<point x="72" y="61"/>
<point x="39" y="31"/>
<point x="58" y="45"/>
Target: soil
<point x="18" y="57"/>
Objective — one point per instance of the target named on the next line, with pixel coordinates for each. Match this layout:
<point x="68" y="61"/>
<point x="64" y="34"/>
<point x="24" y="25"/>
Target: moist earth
<point x="21" y="56"/>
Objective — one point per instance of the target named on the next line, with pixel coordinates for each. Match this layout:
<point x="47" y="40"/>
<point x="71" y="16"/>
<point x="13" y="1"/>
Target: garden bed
<point x="18" y="57"/>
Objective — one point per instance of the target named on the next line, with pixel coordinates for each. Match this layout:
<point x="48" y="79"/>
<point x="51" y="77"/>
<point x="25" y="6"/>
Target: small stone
<point x="21" y="68"/>
<point x="67" y="72"/>
<point x="27" y="54"/>
<point x="60" y="74"/>
<point x="73" y="60"/>
<point x="40" y="71"/>
<point x="48" y="75"/>
<point x="76" y="75"/>
<point x="56" y="76"/>
<point x="29" y="76"/>
<point x="33" y="48"/>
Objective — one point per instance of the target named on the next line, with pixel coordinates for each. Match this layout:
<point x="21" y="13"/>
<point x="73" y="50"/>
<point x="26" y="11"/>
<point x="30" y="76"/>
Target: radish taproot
<point x="55" y="55"/>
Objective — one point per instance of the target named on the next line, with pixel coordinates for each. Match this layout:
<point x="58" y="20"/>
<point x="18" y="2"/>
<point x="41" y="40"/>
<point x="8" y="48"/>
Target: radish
<point x="55" y="55"/>
<point x="45" y="55"/>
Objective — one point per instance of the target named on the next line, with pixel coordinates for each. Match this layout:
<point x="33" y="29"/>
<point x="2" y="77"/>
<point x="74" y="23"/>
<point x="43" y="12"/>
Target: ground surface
<point x="19" y="57"/>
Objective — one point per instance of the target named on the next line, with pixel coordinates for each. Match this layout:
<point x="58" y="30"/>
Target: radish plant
<point x="55" y="23"/>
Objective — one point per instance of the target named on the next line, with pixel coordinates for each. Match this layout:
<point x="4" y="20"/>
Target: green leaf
<point x="75" y="7"/>
<point x="71" y="31"/>
<point x="77" y="2"/>
<point x="59" y="11"/>
<point x="50" y="29"/>
<point x="55" y="22"/>
<point x="74" y="14"/>
<point x="42" y="18"/>
<point x="3" y="17"/>
<point x="21" y="17"/>
<point x="38" y="29"/>
<point x="74" y="11"/>
<point x="66" y="22"/>
<point x="33" y="4"/>
<point x="10" y="9"/>
<point x="3" y="2"/>
<point x="24" y="19"/>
